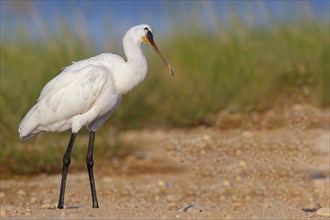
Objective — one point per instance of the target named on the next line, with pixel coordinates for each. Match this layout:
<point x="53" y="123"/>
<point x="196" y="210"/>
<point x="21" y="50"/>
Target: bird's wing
<point x="71" y="93"/>
<point x="60" y="81"/>
<point x="70" y="72"/>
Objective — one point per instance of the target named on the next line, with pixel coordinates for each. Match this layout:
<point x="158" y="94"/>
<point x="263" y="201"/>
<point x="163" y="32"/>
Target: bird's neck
<point x="136" y="68"/>
<point x="134" y="53"/>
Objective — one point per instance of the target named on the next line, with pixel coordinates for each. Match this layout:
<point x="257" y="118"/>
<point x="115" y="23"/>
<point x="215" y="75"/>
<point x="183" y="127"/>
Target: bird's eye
<point x="146" y="29"/>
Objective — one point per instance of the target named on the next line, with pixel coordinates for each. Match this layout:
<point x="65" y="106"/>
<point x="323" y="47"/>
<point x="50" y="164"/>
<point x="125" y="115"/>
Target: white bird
<point x="86" y="93"/>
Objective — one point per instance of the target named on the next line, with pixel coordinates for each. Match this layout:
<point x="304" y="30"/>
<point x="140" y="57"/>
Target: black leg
<point x="90" y="163"/>
<point x="66" y="163"/>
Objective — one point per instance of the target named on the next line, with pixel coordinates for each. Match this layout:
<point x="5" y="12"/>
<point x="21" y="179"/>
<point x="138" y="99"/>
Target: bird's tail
<point x="27" y="126"/>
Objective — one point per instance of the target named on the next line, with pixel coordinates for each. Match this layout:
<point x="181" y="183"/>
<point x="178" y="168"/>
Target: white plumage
<point x="88" y="91"/>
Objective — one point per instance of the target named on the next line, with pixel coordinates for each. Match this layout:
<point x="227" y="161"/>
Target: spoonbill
<point x="86" y="93"/>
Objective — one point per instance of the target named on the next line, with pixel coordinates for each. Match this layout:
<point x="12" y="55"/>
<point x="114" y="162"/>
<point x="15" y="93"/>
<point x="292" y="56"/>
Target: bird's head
<point x="144" y="34"/>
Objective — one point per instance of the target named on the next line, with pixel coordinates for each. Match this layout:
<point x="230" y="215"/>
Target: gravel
<point x="198" y="173"/>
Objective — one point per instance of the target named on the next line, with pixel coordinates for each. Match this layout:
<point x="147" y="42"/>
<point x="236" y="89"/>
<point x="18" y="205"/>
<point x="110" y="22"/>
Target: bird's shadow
<point x="70" y="207"/>
<point x="73" y="207"/>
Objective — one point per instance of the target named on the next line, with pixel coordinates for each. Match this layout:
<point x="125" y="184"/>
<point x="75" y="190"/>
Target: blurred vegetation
<point x="234" y="67"/>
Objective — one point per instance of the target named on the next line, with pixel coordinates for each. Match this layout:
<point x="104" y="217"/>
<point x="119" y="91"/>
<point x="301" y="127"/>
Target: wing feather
<point x="71" y="94"/>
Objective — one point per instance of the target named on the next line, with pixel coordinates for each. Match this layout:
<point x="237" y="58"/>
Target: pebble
<point x="171" y="205"/>
<point x="107" y="179"/>
<point x="33" y="199"/>
<point x="226" y="183"/>
<point x="3" y="213"/>
<point x="237" y="204"/>
<point x="323" y="211"/>
<point x="171" y="198"/>
<point x="322" y="143"/>
<point x="48" y="200"/>
<point x="46" y="206"/>
<point x="2" y="194"/>
<point x="247" y="134"/>
<point x="168" y="184"/>
<point x="206" y="137"/>
<point x="21" y="193"/>
<point x="242" y="163"/>
<point x="161" y="183"/>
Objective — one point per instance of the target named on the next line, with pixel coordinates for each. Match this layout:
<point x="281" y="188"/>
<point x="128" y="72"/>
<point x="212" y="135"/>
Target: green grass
<point x="240" y="73"/>
<point x="236" y="68"/>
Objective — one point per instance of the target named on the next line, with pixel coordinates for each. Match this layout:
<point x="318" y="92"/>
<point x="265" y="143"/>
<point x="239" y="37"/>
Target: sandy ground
<point x="212" y="172"/>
